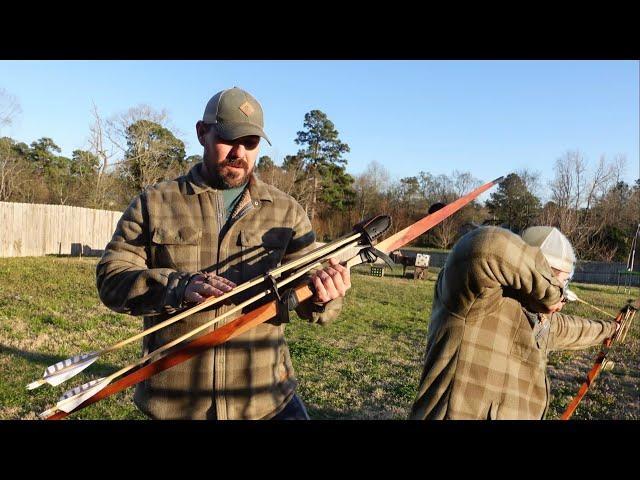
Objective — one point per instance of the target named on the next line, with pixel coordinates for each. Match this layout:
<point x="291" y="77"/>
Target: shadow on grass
<point x="46" y="360"/>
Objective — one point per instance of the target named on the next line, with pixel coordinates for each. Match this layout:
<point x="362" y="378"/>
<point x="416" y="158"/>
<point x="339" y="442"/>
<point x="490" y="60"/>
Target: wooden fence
<point x="28" y="229"/>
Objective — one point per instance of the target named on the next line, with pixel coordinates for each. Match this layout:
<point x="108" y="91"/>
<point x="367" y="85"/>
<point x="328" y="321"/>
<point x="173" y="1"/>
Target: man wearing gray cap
<point x="200" y="235"/>
<point x="495" y="317"/>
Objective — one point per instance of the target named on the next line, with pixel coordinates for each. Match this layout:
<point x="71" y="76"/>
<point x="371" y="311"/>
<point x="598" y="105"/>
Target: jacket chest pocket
<point x="525" y="346"/>
<point x="260" y="252"/>
<point x="177" y="248"/>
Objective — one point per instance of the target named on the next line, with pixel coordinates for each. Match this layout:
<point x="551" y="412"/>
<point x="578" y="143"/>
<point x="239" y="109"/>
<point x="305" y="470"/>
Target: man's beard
<point x="225" y="177"/>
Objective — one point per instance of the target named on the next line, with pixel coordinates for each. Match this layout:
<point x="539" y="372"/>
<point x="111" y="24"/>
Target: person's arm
<point x="491" y="261"/>
<point x="334" y="279"/>
<point x="125" y="282"/>
<point x="570" y="332"/>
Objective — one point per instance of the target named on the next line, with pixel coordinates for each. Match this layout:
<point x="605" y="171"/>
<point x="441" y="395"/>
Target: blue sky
<point x="486" y="117"/>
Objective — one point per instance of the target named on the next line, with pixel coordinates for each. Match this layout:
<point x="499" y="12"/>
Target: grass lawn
<point x="366" y="365"/>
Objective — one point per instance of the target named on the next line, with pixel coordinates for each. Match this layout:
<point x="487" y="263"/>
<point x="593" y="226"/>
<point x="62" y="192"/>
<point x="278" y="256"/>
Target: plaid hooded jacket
<point x="487" y="349"/>
<point x="173" y="230"/>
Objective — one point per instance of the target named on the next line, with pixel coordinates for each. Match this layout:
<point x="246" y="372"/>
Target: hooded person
<point x="494" y="319"/>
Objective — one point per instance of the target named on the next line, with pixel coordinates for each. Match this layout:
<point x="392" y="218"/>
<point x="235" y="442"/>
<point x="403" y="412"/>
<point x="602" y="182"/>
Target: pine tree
<point x="322" y="152"/>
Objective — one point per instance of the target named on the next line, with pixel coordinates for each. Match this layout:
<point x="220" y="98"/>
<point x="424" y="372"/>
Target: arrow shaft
<point x="157" y="353"/>
<point x="318" y="254"/>
<point x="312" y="256"/>
<point x="596" y="308"/>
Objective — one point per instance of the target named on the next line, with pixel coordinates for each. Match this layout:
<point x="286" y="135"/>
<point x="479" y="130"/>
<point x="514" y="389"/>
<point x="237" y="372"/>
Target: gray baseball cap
<point x="235" y="113"/>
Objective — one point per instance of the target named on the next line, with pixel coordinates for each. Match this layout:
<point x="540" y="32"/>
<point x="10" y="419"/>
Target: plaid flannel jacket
<point x="173" y="230"/>
<point x="487" y="349"/>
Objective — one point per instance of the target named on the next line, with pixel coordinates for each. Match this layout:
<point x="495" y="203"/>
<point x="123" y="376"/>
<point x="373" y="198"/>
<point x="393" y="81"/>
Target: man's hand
<point x="557" y="307"/>
<point x="200" y="287"/>
<point x="331" y="282"/>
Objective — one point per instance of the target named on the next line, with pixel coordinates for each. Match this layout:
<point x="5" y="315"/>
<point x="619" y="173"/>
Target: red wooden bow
<point x="624" y="318"/>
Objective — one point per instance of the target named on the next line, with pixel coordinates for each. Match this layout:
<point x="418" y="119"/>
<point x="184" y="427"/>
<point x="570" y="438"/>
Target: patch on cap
<point x="247" y="109"/>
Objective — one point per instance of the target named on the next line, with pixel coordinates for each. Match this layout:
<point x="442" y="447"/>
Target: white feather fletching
<point x="68" y="363"/>
<point x="572" y="297"/>
<point x="74" y="397"/>
<point x="64" y="370"/>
